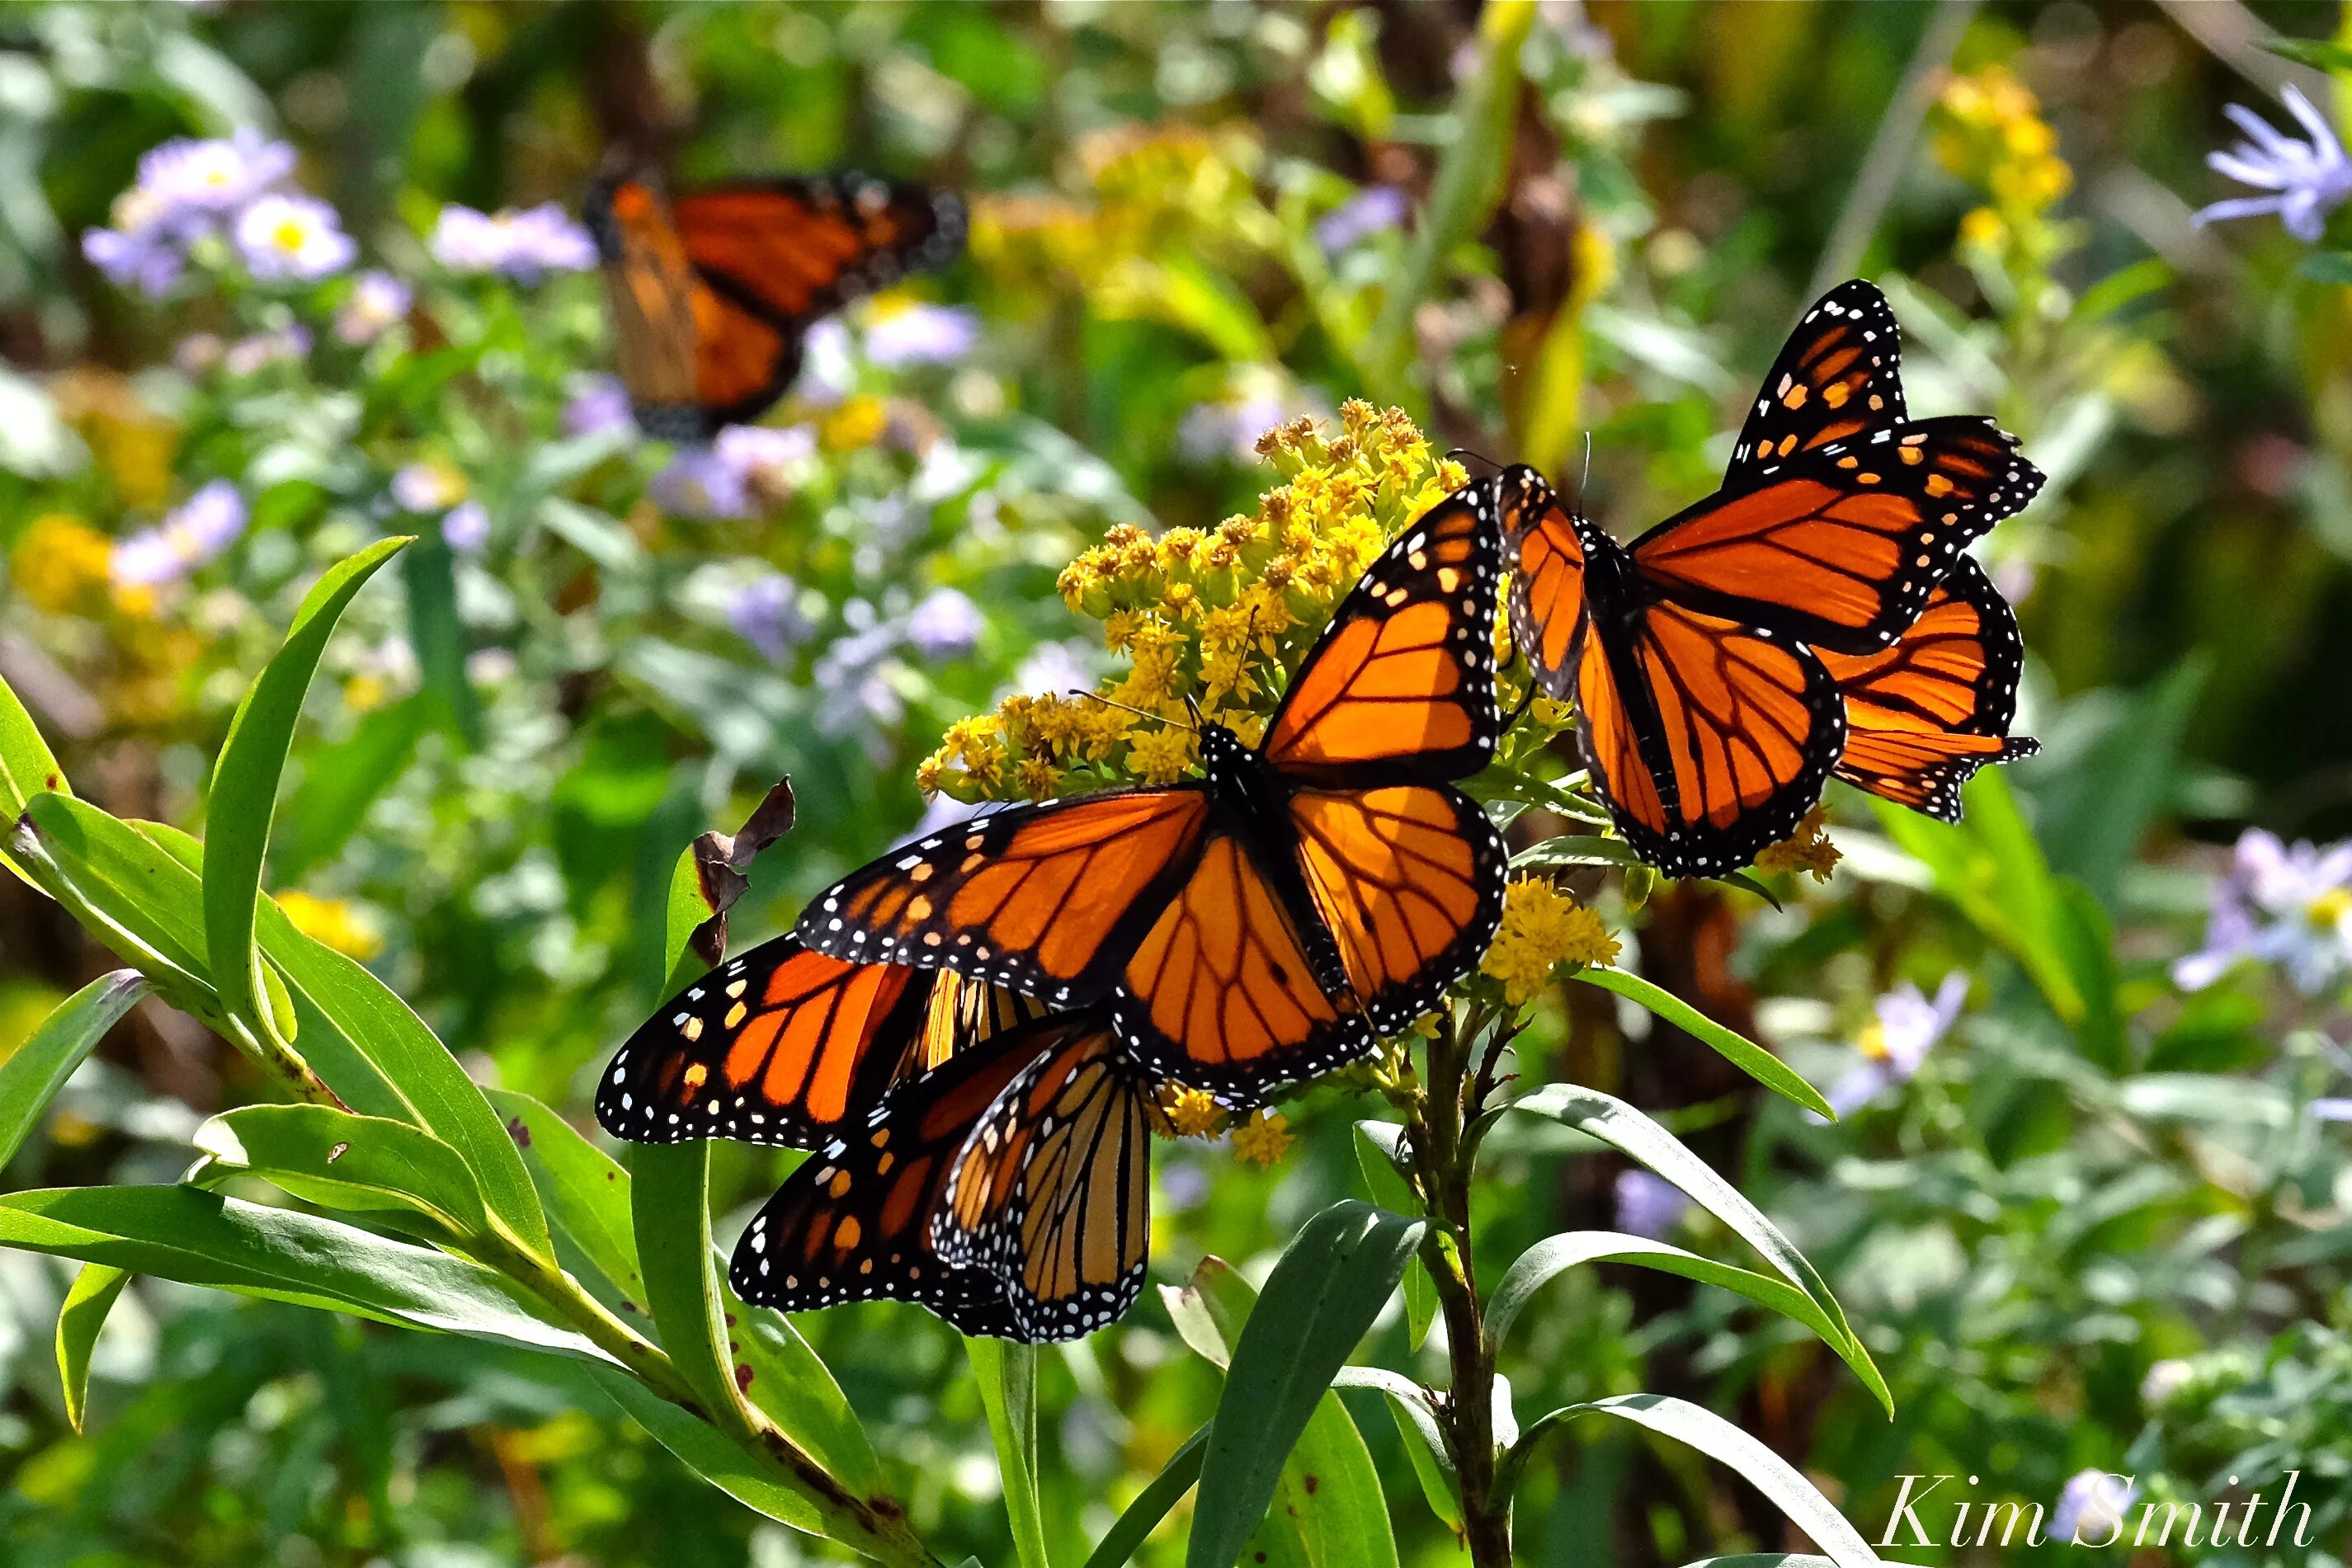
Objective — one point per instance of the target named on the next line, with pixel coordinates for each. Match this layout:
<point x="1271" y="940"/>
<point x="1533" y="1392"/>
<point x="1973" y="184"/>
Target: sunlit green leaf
<point x="337" y="1160"/>
<point x="1123" y="1540"/>
<point x="1007" y="1376"/>
<point x="38" y="1069"/>
<point x="92" y="1298"/>
<point x="1729" y="1043"/>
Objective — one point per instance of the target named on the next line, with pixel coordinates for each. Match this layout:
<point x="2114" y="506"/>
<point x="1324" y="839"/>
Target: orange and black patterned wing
<point x="1401" y="686"/>
<point x="1048" y="899"/>
<point x="792" y="249"/>
<point x="1923" y="716"/>
<point x="1408" y="879"/>
<point x="1052" y="1189"/>
<point x="854" y="1222"/>
<point x="1841" y="548"/>
<point x="1545" y="556"/>
<point x="1236" y="988"/>
<point x="1838" y="377"/>
<point x="779" y="1045"/>
<point x="1708" y="739"/>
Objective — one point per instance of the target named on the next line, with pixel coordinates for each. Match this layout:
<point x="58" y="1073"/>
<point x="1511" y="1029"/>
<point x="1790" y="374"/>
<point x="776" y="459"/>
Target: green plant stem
<point x="1442" y="1164"/>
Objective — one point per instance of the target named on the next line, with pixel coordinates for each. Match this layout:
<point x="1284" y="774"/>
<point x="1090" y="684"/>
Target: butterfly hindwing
<point x="1841" y="548"/>
<point x="1402" y="685"/>
<point x="1053" y="1187"/>
<point x="794" y="248"/>
<point x="1923" y="716"/>
<point x="778" y="1045"/>
<point x="1837" y="377"/>
<point x="1547" y="563"/>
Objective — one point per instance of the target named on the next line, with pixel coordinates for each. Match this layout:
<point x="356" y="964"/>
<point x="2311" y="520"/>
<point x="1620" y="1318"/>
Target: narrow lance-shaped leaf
<point x="28" y="766"/>
<point x="1007" y="1376"/>
<point x="1376" y="1156"/>
<point x="1319" y="1302"/>
<point x="1123" y="1540"/>
<point x="1729" y="1043"/>
<point x="93" y="1296"/>
<point x="243" y="797"/>
<point x="337" y="1160"/>
<point x="36" y="1070"/>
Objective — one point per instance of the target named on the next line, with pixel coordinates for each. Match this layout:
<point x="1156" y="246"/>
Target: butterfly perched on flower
<point x="1008" y="1189"/>
<point x="714" y="289"/>
<point x="1706" y="717"/>
<point x="1923" y="716"/>
<point x="1266" y="922"/>
<point x="784" y="1046"/>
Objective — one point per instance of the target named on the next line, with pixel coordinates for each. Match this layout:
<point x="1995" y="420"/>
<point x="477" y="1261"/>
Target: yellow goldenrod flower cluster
<point x="1806" y="850"/>
<point x="62" y="564"/>
<point x="1207" y="619"/>
<point x="1990" y="131"/>
<point x="1263" y="1140"/>
<point x="334" y="922"/>
<point x="1543" y="927"/>
<point x="1184" y="1112"/>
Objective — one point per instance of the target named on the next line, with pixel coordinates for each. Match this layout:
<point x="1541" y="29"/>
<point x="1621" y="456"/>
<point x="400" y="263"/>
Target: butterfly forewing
<point x="1547" y="562"/>
<point x="794" y="248"/>
<point x="1402" y="686"/>
<point x="1837" y="378"/>
<point x="1923" y="716"/>
<point x="1053" y="1187"/>
<point x="1841" y="548"/>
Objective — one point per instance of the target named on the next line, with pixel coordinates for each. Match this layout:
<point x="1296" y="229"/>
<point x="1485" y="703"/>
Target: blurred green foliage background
<point x="2097" y="1172"/>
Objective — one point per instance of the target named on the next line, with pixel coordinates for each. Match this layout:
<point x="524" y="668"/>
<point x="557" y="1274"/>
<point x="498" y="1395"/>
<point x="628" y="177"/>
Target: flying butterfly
<point x="1923" y="716"/>
<point x="1707" y="720"/>
<point x="781" y="1045"/>
<point x="713" y="290"/>
<point x="1259" y="924"/>
<point x="1007" y="1189"/>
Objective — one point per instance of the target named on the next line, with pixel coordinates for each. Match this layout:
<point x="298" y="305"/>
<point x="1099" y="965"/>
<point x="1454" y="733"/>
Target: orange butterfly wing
<point x="1837" y="376"/>
<point x="1840" y="547"/>
<point x="1923" y="716"/>
<point x="1547" y="562"/>
<point x="854" y="1221"/>
<point x="1710" y="739"/>
<point x="1401" y="684"/>
<point x="1052" y="1189"/>
<point x="1046" y="899"/>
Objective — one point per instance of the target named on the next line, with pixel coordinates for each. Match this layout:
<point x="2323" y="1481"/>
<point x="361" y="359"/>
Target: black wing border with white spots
<point x="1854" y="310"/>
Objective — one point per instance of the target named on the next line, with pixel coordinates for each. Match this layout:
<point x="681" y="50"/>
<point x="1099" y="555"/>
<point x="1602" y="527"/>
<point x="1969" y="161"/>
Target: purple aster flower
<point x="2286" y="905"/>
<point x="295" y="239"/>
<point x="146" y="260"/>
<point x="1649" y="1205"/>
<point x="2332" y="1110"/>
<point x="522" y="246"/>
<point x="853" y="678"/>
<point x="2092" y="1501"/>
<point x="378" y="302"/>
<point x="466" y="527"/>
<point x="251" y="355"/>
<point x="1908" y="1026"/>
<point x="198" y="184"/>
<point x="598" y="403"/>
<point x="191" y="534"/>
<point x="427" y="487"/>
<point x="1367" y="213"/>
<point x="766" y="613"/>
<point x="919" y="334"/>
<point x="945" y="625"/>
<point x="744" y="466"/>
<point x="826" y="376"/>
<point x="2306" y="181"/>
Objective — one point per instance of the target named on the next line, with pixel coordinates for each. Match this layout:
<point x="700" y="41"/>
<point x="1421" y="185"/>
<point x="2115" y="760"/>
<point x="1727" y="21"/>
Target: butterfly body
<point x="1264" y="922"/>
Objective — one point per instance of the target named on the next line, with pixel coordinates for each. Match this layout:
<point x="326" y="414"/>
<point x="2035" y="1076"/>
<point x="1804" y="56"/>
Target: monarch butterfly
<point x="1007" y="1189"/>
<point x="1258" y="924"/>
<point x="1923" y="716"/>
<point x="1708" y="720"/>
<point x="712" y="292"/>
<point x="785" y="1046"/>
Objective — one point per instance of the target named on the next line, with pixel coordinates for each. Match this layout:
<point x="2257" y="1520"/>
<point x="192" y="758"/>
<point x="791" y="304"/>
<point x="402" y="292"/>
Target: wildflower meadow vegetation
<point x="420" y="721"/>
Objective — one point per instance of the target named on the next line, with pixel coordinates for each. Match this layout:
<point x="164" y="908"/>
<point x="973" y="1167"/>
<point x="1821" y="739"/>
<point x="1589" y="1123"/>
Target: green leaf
<point x="1322" y="1296"/>
<point x="28" y="766"/>
<point x="1007" y="1376"/>
<point x="2316" y="52"/>
<point x="125" y="890"/>
<point x="1153" y="1503"/>
<point x="437" y="632"/>
<point x="2327" y="266"/>
<point x="36" y="1070"/>
<point x="363" y="1164"/>
<point x="243" y="797"/>
<point x="1730" y="1044"/>
<point x="589" y="1197"/>
<point x="711" y="1455"/>
<point x="1610" y="1120"/>
<point x="1424" y="1440"/>
<point x="1376" y="1156"/>
<point x="669" y="1207"/>
<point x="203" y="1238"/>
<point x="340" y="782"/>
<point x="1554" y="1255"/>
<point x="1746" y="1457"/>
<point x="88" y="1302"/>
<point x="406" y="1062"/>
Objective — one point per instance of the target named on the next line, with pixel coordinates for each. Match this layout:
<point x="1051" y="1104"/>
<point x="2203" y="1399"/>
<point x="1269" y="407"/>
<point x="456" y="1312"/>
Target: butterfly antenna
<point x="1458" y="453"/>
<point x="1137" y="712"/>
<point x="1584" y="482"/>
